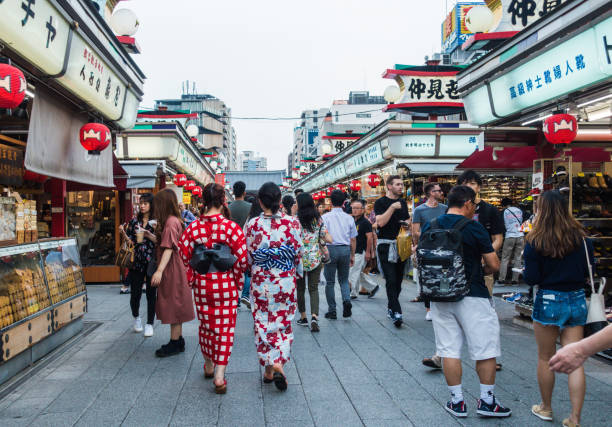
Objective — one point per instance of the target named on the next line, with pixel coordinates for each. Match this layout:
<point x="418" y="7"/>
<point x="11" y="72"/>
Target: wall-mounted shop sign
<point x="41" y="34"/>
<point x="11" y="166"/>
<point x="364" y="159"/>
<point x="515" y="15"/>
<point x="417" y="145"/>
<point x="458" y="145"/>
<point x="578" y="62"/>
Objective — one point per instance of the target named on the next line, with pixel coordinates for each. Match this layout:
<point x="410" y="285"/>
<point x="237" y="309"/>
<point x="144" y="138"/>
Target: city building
<point x="254" y="179"/>
<point x="216" y="137"/>
<point x="251" y="161"/>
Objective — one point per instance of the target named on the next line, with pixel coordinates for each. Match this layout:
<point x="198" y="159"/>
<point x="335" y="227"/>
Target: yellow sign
<point x="187" y="198"/>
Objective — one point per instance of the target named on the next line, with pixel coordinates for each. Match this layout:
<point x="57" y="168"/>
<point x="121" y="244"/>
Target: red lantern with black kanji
<point x="190" y="185"/>
<point x="197" y="191"/>
<point x="355" y="185"/>
<point x="373" y="180"/>
<point x="12" y="86"/>
<point x="560" y="128"/>
<point x="180" y="179"/>
<point x="94" y="137"/>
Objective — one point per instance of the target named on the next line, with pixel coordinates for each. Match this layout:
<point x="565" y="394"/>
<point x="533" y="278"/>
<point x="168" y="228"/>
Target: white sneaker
<point x="428" y="316"/>
<point x="148" y="330"/>
<point x="137" y="324"/>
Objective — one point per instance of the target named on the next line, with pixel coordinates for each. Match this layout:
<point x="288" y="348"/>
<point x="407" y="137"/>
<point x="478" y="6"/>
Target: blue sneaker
<point x="458" y="409"/>
<point x="495" y="409"/>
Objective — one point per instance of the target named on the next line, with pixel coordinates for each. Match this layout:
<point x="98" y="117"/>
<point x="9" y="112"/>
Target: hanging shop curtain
<point x="53" y="144"/>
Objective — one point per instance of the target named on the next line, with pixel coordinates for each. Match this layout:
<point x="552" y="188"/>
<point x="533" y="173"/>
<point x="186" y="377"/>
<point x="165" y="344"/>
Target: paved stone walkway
<point x="361" y="371"/>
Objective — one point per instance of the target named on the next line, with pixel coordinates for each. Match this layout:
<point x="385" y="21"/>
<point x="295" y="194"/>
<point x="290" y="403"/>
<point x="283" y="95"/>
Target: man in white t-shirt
<point x="514" y="242"/>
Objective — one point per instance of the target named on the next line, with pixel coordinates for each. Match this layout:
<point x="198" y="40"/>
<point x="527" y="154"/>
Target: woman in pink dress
<point x="216" y="293"/>
<point x="174" y="303"/>
<point x="275" y="248"/>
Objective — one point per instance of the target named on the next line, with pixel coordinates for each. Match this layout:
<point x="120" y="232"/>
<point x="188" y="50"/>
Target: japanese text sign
<point x="518" y="14"/>
<point x="11" y="165"/>
<point x="454" y="31"/>
<point x="426" y="88"/>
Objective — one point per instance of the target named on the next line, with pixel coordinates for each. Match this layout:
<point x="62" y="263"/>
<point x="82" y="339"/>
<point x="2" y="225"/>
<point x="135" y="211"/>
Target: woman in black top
<point x="556" y="260"/>
<point x="143" y="253"/>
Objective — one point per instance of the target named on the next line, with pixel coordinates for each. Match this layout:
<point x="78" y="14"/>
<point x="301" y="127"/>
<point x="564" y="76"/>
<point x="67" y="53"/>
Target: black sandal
<point x="268" y="380"/>
<point x="280" y="381"/>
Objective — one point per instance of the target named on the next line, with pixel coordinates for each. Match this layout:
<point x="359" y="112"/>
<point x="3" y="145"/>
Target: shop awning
<point x="120" y="177"/>
<point x="431" y="168"/>
<point x="141" y="175"/>
<point x="497" y="158"/>
<point x="587" y="154"/>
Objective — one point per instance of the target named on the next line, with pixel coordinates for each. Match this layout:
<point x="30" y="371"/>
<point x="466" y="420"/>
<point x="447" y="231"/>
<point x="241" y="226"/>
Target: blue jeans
<point x="340" y="261"/>
<point x="247" y="285"/>
<point x="558" y="308"/>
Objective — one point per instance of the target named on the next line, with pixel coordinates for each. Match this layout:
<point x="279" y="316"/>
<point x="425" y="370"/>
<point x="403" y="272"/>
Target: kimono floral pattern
<point x="312" y="251"/>
<point x="275" y="249"/>
<point x="143" y="252"/>
<point x="215" y="294"/>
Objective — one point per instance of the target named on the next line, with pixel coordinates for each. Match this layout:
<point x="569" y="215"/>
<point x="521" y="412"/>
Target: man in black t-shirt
<point x="364" y="252"/>
<point x="391" y="214"/>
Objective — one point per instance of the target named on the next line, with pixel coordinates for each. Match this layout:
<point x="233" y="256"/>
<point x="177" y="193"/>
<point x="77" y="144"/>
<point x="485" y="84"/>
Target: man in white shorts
<point x="471" y="319"/>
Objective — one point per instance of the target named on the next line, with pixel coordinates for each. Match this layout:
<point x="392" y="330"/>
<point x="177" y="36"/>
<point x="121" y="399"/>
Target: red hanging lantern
<point x="315" y="196"/>
<point x="560" y="128"/>
<point x="197" y="191"/>
<point x="373" y="180"/>
<point x="341" y="187"/>
<point x="12" y="86"/>
<point x="355" y="185"/>
<point x="94" y="137"/>
<point x="190" y="185"/>
<point x="180" y="179"/>
<point x="329" y="190"/>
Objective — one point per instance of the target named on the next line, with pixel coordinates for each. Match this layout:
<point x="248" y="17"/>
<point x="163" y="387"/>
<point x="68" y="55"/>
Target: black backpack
<point x="440" y="263"/>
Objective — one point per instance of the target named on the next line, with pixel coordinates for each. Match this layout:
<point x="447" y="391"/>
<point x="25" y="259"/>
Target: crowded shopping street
<point x="234" y="213"/>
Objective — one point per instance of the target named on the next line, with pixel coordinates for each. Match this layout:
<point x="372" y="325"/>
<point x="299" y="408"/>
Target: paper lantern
<point x="392" y="94"/>
<point x="94" y="137"/>
<point x="197" y="191"/>
<point x="180" y="179"/>
<point x="124" y="22"/>
<point x="329" y="190"/>
<point x="479" y="19"/>
<point x="34" y="177"/>
<point x="341" y="187"/>
<point x="189" y="185"/>
<point x="12" y="86"/>
<point x="373" y="180"/>
<point x="355" y="185"/>
<point x="560" y="128"/>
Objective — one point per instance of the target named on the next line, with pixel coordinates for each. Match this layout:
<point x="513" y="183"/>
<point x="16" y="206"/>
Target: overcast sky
<point x="277" y="58"/>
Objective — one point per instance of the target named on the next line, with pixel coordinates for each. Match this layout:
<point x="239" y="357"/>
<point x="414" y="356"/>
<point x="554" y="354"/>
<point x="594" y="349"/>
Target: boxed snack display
<point x="8" y="219"/>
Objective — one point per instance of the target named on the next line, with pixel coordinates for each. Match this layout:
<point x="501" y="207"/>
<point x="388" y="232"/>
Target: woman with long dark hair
<point x="174" y="303"/>
<point x="275" y="249"/>
<point x="140" y="232"/>
<point x="313" y="234"/>
<point x="556" y="261"/>
<point x="216" y="293"/>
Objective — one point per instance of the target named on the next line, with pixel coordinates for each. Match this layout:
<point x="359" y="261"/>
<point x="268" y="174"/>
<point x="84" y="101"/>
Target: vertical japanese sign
<point x="220" y="179"/>
<point x="11" y="165"/>
<point x="454" y="31"/>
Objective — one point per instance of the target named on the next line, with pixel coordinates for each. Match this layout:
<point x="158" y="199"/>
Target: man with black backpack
<point x="451" y="252"/>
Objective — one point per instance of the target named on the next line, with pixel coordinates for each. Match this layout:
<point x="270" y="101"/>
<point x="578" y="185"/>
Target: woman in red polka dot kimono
<point x="215" y="294"/>
<point x="275" y="250"/>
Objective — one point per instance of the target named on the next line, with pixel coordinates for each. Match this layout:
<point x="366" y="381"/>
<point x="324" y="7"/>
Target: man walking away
<point x="239" y="208"/>
<point x="342" y="228"/>
<point x="472" y="318"/>
<point x="187" y="216"/>
<point x="391" y="213"/>
<point x="364" y="252"/>
<point x="514" y="242"/>
<point x="424" y="213"/>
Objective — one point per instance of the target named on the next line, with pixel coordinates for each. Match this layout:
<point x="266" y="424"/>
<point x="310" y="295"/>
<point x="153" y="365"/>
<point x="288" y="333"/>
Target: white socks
<point x="456" y="393"/>
<point x="486" y="392"/>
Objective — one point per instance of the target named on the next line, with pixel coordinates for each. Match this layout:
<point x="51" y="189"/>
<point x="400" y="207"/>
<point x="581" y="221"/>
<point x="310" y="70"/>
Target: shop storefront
<point x="67" y="83"/>
<point x="555" y="77"/>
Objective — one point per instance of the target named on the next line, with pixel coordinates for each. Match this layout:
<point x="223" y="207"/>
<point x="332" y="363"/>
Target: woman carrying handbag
<point x="557" y="257"/>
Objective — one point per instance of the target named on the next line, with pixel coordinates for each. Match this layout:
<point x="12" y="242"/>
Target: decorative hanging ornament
<point x="355" y="185"/>
<point x="95" y="137"/>
<point x="373" y="180"/>
<point x="197" y="191"/>
<point x="12" y="86"/>
<point x="560" y="128"/>
<point x="189" y="185"/>
<point x="329" y="191"/>
<point x="341" y="187"/>
<point x="180" y="179"/>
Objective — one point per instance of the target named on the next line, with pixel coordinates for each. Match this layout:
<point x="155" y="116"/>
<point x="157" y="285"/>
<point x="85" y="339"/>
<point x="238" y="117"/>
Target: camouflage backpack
<point x="440" y="263"/>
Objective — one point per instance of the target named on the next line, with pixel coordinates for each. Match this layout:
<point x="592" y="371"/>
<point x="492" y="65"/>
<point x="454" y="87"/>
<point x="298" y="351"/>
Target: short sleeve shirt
<point x="476" y="243"/>
<point x="312" y="253"/>
<point x="363" y="228"/>
<point x="392" y="228"/>
<point x="423" y="214"/>
<point x="490" y="218"/>
<point x="513" y="219"/>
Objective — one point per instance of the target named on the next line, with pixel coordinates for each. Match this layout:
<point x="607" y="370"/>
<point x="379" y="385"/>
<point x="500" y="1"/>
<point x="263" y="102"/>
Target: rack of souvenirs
<point x="496" y="188"/>
<point x="41" y="284"/>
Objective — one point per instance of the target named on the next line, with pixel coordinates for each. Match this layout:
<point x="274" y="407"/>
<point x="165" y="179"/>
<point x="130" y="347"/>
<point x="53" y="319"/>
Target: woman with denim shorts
<point x="556" y="261"/>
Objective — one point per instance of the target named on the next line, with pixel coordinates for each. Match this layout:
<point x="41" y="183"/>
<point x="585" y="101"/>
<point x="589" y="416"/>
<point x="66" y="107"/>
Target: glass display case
<point x="91" y="219"/>
<point x="22" y="285"/>
<point x="62" y="268"/>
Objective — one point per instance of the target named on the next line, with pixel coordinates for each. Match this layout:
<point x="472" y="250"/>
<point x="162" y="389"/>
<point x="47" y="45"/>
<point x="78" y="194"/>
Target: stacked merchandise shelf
<point x="495" y="188"/>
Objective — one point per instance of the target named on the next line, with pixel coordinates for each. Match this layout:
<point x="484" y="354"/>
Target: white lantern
<point x="124" y="22"/>
<point x="295" y="175"/>
<point x="192" y="131"/>
<point x="326" y="147"/>
<point x="479" y="19"/>
<point x="392" y="94"/>
<point x="214" y="164"/>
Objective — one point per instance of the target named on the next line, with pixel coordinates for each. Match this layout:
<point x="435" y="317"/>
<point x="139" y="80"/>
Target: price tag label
<point x="581" y="174"/>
